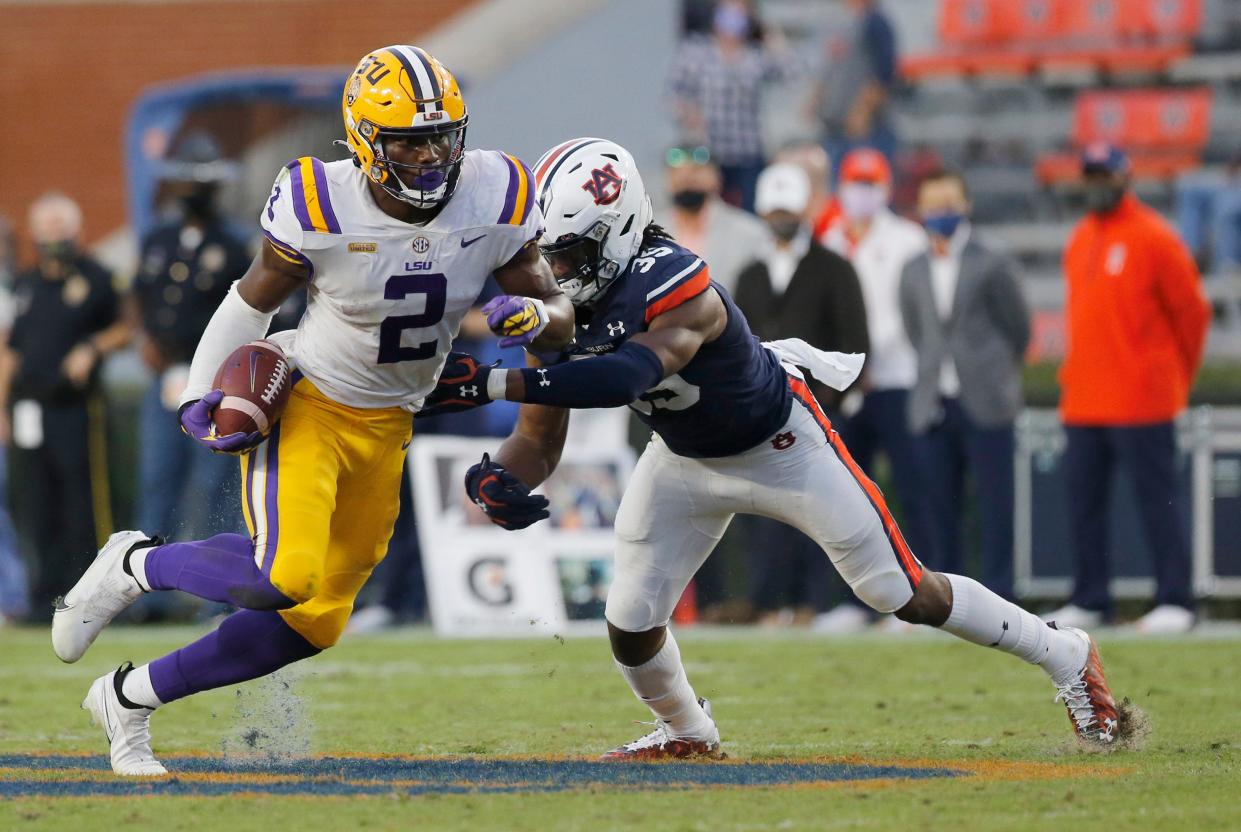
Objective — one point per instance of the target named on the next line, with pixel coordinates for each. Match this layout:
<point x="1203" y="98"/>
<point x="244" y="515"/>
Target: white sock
<point x="138" y="566"/>
<point x="982" y="617"/>
<point x="138" y="689"/>
<point x="662" y="684"/>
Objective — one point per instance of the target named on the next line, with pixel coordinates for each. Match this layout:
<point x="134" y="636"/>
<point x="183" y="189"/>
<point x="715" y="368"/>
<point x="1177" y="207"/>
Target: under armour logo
<point x="783" y="441"/>
<point x="617" y="328"/>
<point x="543" y="382"/>
<point x="470" y="392"/>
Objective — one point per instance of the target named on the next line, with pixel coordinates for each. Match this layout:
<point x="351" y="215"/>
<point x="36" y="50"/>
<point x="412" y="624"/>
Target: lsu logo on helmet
<point x="402" y="92"/>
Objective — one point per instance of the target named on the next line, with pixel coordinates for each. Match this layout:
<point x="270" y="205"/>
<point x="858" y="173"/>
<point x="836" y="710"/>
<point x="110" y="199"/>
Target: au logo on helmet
<point x="604" y="185"/>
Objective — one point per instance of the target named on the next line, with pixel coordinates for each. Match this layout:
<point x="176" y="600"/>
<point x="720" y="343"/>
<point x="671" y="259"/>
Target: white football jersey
<point x="386" y="297"/>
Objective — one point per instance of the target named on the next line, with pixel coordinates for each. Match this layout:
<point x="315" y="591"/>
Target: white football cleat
<point x="660" y="744"/>
<point x="128" y="729"/>
<point x="1091" y="707"/>
<point x="842" y="619"/>
<point x="103" y="591"/>
<point x="1166" y="620"/>
<point x="1071" y="615"/>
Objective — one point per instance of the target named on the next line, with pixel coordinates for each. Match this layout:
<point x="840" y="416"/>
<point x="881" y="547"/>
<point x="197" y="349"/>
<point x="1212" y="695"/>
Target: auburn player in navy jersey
<point x="735" y="429"/>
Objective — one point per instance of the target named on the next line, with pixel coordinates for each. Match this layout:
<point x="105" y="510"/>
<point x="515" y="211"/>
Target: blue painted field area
<point x="70" y="776"/>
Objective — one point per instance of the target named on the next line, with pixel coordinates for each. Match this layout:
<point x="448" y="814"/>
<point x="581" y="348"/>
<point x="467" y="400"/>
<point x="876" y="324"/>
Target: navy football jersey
<point x="732" y="395"/>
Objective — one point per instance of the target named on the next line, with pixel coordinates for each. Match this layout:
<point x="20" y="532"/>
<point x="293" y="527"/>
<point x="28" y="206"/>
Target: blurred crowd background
<point x="1008" y="204"/>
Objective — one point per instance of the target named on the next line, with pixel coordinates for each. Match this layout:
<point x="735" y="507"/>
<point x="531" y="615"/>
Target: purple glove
<point x="517" y="320"/>
<point x="196" y="422"/>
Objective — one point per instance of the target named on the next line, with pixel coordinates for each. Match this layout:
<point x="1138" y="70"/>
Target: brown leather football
<point x="255" y="381"/>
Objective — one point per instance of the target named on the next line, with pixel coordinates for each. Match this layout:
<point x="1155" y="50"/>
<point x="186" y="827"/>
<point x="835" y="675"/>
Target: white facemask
<point x="862" y="200"/>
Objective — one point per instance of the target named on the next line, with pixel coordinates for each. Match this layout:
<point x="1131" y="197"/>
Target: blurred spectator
<point x="851" y="97"/>
<point x="797" y="289"/>
<point x="813" y="160"/>
<point x="1137" y="320"/>
<point x="14" y="592"/>
<point x="1208" y="214"/>
<point x="186" y="267"/>
<point x="969" y="325"/>
<point x="67" y="321"/>
<point x="879" y="243"/>
<point x="717" y="84"/>
<point x="727" y="238"/>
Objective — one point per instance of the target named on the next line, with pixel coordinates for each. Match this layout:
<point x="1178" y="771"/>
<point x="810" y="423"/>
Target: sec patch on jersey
<point x="255" y="380"/>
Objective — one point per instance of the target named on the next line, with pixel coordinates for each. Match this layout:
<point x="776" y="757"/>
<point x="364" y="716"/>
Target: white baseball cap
<point x="782" y="187"/>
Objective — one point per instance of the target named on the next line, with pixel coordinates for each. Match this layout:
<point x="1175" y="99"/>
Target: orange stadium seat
<point x="1163" y="130"/>
<point x="990" y="37"/>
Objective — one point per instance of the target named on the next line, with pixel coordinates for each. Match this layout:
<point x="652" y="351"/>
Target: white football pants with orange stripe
<point x="676" y="508"/>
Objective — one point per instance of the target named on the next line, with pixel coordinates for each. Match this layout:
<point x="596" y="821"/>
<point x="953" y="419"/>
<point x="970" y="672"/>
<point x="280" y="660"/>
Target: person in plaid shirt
<point x="716" y="85"/>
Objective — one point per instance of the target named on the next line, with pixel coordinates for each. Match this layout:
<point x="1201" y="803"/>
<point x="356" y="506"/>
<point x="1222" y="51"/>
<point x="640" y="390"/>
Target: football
<point x="255" y="381"/>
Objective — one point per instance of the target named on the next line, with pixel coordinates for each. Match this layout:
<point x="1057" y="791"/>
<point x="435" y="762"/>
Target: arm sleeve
<point x="880" y="49"/>
<point x="611" y="380"/>
<point x="1185" y="303"/>
<point x="234" y="323"/>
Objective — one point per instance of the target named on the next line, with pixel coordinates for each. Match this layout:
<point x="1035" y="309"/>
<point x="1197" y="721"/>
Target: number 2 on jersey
<point x="399" y="287"/>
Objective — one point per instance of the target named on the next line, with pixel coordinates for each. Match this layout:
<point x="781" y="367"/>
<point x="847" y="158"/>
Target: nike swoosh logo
<point x="468" y="243"/>
<point x="405" y="444"/>
<point x="108" y="727"/>
<point x="254" y="366"/>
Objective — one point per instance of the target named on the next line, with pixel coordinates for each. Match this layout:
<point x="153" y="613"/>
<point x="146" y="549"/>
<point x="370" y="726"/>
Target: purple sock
<point x="219" y="569"/>
<point x="248" y="644"/>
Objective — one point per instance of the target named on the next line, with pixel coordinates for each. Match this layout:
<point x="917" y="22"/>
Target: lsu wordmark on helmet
<point x="386" y="296"/>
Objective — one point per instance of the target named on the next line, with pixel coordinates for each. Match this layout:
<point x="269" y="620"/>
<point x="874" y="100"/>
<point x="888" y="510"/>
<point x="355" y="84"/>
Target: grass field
<point x="906" y="733"/>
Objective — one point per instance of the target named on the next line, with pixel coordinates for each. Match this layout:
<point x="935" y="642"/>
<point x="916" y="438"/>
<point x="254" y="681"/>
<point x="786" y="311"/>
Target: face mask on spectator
<point x="1102" y="197"/>
<point x="731" y="21"/>
<point x="58" y="250"/>
<point x="690" y="200"/>
<point x="943" y="225"/>
<point x="784" y="229"/>
<point x="862" y="200"/>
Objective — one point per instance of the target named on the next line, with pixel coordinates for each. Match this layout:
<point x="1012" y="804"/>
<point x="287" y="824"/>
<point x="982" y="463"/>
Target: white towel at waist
<point x="835" y="369"/>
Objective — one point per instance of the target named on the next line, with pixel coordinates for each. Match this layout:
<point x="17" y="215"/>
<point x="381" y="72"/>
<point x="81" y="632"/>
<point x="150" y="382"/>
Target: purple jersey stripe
<point x="325" y="199"/>
<point x="285" y="248"/>
<point x="299" y="195"/>
<point x="510" y="198"/>
<point x="271" y="499"/>
<point x="247" y="486"/>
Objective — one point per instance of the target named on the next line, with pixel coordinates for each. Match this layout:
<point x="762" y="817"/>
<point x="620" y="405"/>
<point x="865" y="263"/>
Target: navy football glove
<point x="502" y="497"/>
<point x="462" y="385"/>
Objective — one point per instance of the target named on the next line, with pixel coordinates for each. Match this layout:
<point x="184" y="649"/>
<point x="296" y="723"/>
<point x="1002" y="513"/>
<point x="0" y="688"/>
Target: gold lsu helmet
<point x="401" y="91"/>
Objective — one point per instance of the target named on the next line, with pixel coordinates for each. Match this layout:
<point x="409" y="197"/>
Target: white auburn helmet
<point x="595" y="211"/>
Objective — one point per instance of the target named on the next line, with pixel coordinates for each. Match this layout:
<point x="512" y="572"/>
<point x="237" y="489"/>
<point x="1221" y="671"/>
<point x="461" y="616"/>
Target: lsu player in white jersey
<point x="393" y="246"/>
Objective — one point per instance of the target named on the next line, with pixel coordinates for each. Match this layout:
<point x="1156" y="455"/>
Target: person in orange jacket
<point x="1137" y="319"/>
